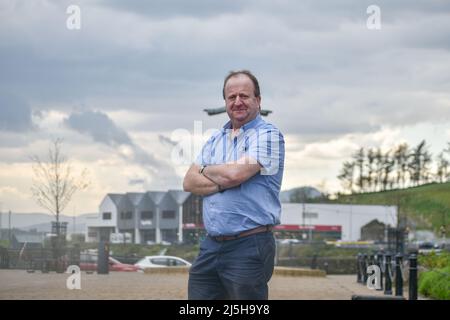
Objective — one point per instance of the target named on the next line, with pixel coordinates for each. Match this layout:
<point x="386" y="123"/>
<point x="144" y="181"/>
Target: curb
<point x="298" y="272"/>
<point x="279" y="271"/>
<point x="168" y="270"/>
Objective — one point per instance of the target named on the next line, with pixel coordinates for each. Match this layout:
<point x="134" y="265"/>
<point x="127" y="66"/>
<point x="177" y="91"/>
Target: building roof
<point x="115" y="197"/>
<point x="179" y="196"/>
<point x="135" y="197"/>
<point x="156" y="196"/>
<point x="373" y="223"/>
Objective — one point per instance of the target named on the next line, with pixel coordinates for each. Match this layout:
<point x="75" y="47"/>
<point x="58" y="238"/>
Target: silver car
<point x="161" y="261"/>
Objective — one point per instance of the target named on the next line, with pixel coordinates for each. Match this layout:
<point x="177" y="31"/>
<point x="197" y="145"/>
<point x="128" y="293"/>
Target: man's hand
<point x="226" y="175"/>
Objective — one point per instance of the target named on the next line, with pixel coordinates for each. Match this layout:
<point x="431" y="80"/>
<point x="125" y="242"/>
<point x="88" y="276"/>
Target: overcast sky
<point x="123" y="89"/>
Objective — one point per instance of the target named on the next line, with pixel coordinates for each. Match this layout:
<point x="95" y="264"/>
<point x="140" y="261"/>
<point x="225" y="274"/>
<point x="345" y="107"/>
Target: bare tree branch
<point x="54" y="184"/>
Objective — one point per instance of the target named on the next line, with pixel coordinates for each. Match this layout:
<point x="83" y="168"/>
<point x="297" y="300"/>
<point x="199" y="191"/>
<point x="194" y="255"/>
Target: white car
<point x="161" y="261"/>
<point x="289" y="241"/>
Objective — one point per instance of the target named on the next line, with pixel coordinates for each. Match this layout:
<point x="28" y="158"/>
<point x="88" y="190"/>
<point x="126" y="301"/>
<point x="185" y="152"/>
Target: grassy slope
<point x="428" y="206"/>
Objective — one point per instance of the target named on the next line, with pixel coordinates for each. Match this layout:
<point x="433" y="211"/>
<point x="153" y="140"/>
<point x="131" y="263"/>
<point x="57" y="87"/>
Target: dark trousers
<point x="235" y="269"/>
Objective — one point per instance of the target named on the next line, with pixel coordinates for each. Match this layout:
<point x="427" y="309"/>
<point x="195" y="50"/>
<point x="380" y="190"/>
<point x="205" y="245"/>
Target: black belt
<point x="246" y="233"/>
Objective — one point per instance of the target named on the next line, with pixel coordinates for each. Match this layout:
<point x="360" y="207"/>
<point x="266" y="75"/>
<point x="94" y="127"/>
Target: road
<point x="18" y="284"/>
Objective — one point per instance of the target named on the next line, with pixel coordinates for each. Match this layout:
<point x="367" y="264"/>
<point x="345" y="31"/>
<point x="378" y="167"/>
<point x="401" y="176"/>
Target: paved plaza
<point x="18" y="284"/>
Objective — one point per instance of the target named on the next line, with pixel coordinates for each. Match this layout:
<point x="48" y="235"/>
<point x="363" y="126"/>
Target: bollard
<point x="364" y="268"/>
<point x="387" y="268"/>
<point x="359" y="278"/>
<point x="380" y="265"/>
<point x="325" y="267"/>
<point x="314" y="262"/>
<point x="413" y="277"/>
<point x="398" y="275"/>
<point x="103" y="258"/>
<point x="371" y="259"/>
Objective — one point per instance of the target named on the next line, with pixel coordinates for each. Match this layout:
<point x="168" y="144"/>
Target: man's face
<point x="241" y="103"/>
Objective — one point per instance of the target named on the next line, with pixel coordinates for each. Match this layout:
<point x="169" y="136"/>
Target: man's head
<point x="242" y="97"/>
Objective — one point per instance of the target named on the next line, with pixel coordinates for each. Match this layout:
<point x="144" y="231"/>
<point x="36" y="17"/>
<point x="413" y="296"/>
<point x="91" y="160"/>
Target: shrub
<point x="435" y="283"/>
<point x="434" y="260"/>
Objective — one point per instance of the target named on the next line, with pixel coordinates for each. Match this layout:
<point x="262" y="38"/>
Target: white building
<point x="350" y="218"/>
<point x="156" y="216"/>
<point x="152" y="216"/>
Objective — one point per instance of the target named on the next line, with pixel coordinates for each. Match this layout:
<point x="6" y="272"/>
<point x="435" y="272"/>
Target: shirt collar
<point x="248" y="125"/>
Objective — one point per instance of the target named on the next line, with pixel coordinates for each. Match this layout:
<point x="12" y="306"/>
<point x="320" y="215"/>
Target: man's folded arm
<point x="196" y="183"/>
<point x="232" y="174"/>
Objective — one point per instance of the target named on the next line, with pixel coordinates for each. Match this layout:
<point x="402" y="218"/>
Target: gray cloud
<point x="166" y="140"/>
<point x="15" y="114"/>
<point x="134" y="182"/>
<point x="99" y="126"/>
<point x="102" y="129"/>
<point x="320" y="69"/>
<point x="162" y="9"/>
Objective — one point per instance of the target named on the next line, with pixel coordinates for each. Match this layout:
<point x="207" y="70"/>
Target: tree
<point x="388" y="165"/>
<point x="378" y="168"/>
<point x="420" y="159"/>
<point x="346" y="175"/>
<point x="401" y="164"/>
<point x="442" y="173"/>
<point x="369" y="165"/>
<point x="54" y="183"/>
<point x="359" y="157"/>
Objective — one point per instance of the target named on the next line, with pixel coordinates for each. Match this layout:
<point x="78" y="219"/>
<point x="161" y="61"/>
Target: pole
<point x="413" y="277"/>
<point x="398" y="275"/>
<point x="9" y="229"/>
<point x="1" y="213"/>
<point x="303" y="215"/>
<point x="351" y="217"/>
<point x="74" y="218"/>
<point x="388" y="282"/>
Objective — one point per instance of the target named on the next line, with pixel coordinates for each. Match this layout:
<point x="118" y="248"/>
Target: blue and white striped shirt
<point x="256" y="201"/>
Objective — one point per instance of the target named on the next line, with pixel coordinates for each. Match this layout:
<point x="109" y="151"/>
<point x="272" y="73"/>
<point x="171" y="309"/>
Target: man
<point x="239" y="173"/>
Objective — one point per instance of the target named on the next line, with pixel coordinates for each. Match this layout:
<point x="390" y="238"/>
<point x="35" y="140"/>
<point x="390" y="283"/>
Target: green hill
<point x="427" y="206"/>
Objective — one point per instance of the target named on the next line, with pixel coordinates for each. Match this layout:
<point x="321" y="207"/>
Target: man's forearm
<point x="197" y="184"/>
<point x="230" y="175"/>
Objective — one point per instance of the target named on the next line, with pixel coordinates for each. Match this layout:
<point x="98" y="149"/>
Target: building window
<point x="106" y="215"/>
<point x="169" y="235"/>
<point x="92" y="234"/>
<point x="147" y="215"/>
<point x="168" y="214"/>
<point x="148" y="236"/>
<point x="126" y="215"/>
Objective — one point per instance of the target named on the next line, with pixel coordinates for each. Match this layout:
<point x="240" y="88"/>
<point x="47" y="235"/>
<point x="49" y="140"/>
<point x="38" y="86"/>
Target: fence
<point x="43" y="259"/>
<point x="394" y="271"/>
<point x="317" y="256"/>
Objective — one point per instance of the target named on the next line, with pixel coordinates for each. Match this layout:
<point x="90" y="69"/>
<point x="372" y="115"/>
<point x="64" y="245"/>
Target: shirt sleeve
<point x="204" y="157"/>
<point x="266" y="146"/>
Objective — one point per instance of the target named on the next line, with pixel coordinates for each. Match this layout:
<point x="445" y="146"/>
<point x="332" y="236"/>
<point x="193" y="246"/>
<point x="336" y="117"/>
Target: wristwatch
<point x="201" y="169"/>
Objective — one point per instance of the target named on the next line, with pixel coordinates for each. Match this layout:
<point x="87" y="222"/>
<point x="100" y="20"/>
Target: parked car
<point x="428" y="247"/>
<point x="161" y="261"/>
<point x="88" y="262"/>
<point x="289" y="241"/>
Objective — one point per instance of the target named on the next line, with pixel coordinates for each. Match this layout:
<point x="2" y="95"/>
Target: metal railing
<point x="394" y="270"/>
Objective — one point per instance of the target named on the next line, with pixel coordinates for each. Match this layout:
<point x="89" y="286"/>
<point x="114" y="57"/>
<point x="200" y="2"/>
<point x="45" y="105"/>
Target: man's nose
<point x="238" y="101"/>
